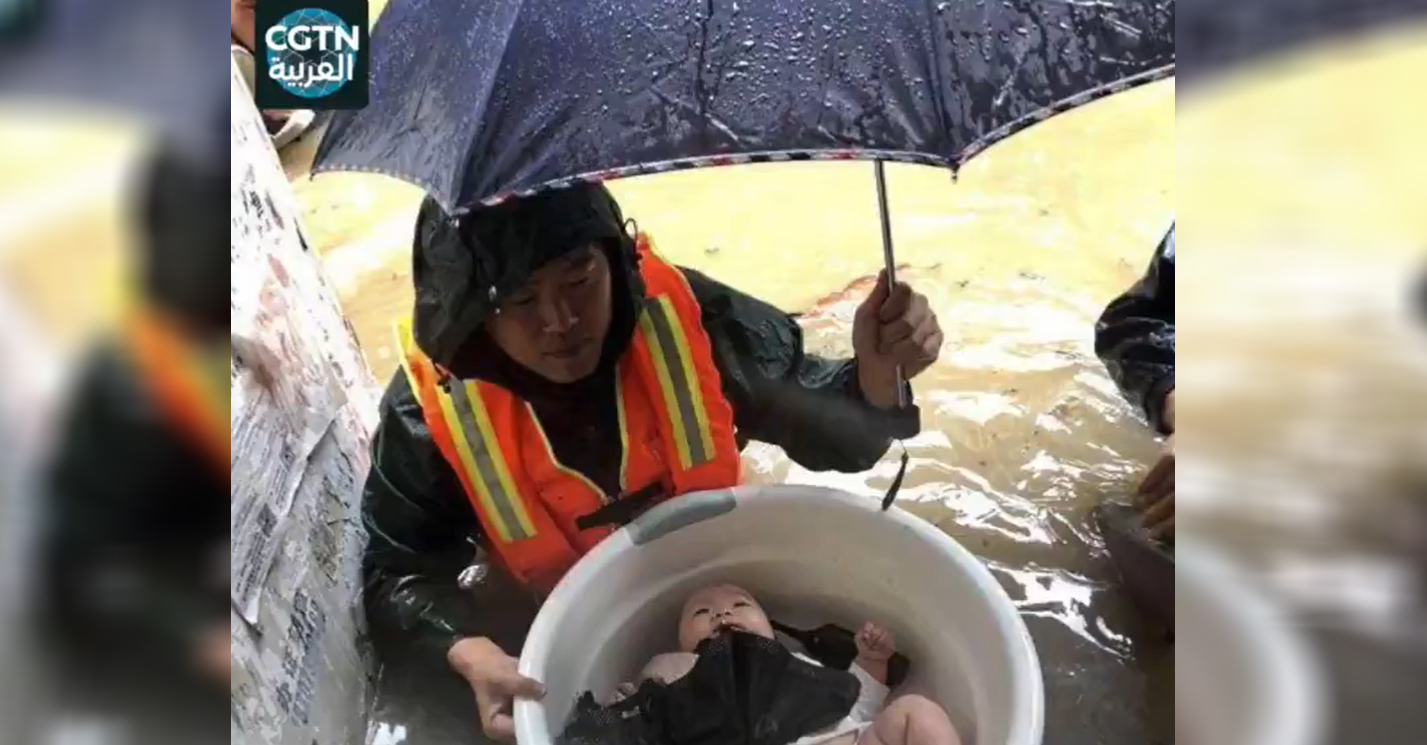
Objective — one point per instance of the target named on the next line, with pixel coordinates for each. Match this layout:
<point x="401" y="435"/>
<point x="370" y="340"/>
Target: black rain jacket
<point x="1135" y="337"/>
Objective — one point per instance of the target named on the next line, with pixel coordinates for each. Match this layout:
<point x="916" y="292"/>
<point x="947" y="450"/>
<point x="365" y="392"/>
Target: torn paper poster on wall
<point x="302" y="402"/>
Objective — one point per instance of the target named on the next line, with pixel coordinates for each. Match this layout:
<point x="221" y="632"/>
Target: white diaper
<point x="869" y="704"/>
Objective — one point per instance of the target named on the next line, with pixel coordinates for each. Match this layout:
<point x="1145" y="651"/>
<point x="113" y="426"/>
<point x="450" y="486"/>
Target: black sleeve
<point x="1135" y="337"/>
<point x="130" y="507"/>
<point x="810" y="406"/>
<point x="422" y="534"/>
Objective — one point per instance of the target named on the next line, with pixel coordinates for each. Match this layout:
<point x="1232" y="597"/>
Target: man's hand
<point x="894" y="327"/>
<point x="496" y="682"/>
<point x="1155" y="498"/>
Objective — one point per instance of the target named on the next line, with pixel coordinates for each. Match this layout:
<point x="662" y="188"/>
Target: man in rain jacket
<point x="1135" y="338"/>
<point x="133" y="592"/>
<point x="559" y="377"/>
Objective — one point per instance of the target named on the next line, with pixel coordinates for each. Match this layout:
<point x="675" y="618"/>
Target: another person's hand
<point x="275" y="119"/>
<point x="257" y="359"/>
<point x="875" y="643"/>
<point x="215" y="653"/>
<point x="1155" y="497"/>
<point x="894" y="327"/>
<point x="496" y="681"/>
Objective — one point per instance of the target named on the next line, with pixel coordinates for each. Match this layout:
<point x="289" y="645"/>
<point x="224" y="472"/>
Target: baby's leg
<point x="911" y="720"/>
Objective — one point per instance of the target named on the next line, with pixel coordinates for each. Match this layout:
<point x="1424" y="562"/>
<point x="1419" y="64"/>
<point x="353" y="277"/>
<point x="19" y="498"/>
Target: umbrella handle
<point x="889" y="260"/>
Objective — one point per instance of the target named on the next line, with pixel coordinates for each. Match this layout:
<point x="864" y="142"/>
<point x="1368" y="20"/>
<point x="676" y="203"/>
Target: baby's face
<point x="720" y="608"/>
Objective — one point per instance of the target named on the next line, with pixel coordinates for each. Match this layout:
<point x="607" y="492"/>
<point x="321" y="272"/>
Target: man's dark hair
<point x="181" y="217"/>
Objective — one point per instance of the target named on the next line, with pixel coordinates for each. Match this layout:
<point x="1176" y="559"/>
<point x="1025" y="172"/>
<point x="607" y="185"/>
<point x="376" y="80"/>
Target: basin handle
<point x="680" y="512"/>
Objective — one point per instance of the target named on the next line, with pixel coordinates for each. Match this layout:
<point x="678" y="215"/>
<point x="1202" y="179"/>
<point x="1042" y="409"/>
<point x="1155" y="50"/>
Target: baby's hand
<point x="624" y="691"/>
<point x="875" y="643"/>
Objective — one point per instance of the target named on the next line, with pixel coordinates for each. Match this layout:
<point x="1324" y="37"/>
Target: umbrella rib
<point x="939" y="45"/>
<point x="484" y="96"/>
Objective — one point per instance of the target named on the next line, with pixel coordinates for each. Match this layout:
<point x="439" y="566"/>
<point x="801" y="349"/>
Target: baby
<point x="908" y="720"/>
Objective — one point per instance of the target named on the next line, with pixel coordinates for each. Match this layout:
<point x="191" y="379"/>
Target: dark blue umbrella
<point x="150" y="61"/>
<point x="480" y="100"/>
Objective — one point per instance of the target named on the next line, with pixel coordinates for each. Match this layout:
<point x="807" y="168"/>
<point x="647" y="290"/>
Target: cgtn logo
<point x="312" y="53"/>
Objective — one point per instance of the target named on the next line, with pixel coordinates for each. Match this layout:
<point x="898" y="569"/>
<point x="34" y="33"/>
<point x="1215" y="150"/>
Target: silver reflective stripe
<point x="659" y="321"/>
<point x="485" y="467"/>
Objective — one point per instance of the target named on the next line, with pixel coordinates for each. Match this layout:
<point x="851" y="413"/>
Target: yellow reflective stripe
<point x="473" y="473"/>
<point x="490" y="459"/>
<point x="661" y="369"/>
<point x="683" y="398"/>
<point x="695" y="390"/>
<point x="402" y="331"/>
<point x="623" y="435"/>
<point x="695" y="383"/>
<point x="477" y="448"/>
<point x="550" y="451"/>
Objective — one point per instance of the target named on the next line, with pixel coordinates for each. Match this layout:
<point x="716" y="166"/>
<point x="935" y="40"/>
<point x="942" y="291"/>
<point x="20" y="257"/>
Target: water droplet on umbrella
<point x="749" y="44"/>
<point x="943" y="7"/>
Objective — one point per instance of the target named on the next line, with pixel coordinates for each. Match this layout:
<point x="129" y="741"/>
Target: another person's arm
<point x="422" y="533"/>
<point x="810" y="406"/>
<point x="1135" y="339"/>
<point x="115" y="474"/>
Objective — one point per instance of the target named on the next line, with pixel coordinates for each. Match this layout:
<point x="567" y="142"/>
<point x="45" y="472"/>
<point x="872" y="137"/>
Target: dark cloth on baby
<point x="743" y="690"/>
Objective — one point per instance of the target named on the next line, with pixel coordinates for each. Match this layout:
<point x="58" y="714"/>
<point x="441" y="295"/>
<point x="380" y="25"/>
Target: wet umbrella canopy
<point x="140" y="60"/>
<point x="478" y="100"/>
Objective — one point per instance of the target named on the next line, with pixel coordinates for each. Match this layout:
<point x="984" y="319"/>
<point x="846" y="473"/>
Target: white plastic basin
<point x="1242" y="674"/>
<point x="812" y="555"/>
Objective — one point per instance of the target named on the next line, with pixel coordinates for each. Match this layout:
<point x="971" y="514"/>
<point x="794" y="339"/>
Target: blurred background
<point x="1289" y="152"/>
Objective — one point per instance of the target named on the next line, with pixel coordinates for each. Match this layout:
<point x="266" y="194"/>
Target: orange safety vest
<point x="674" y="422"/>
<point x="183" y="382"/>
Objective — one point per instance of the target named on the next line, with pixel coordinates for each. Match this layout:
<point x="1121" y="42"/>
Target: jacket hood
<point x="181" y="203"/>
<point x="464" y="267"/>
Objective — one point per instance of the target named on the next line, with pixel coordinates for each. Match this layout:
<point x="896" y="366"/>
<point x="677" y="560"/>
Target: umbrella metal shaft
<point x="889" y="259"/>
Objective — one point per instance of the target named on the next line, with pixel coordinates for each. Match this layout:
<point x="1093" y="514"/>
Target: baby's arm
<point x="667" y="668"/>
<point x="875" y="646"/>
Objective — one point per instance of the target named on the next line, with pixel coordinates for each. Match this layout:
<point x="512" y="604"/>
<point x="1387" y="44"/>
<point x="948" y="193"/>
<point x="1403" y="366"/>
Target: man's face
<point x="556" y="324"/>
<point x="720" y="608"/>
